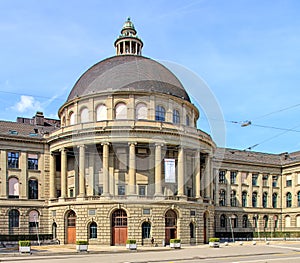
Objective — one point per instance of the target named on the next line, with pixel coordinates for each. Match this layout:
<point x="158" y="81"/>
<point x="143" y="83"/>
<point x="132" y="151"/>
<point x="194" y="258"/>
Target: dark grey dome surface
<point x="128" y="73"/>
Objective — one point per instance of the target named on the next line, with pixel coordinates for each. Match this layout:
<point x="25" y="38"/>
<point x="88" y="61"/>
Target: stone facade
<point x="125" y="160"/>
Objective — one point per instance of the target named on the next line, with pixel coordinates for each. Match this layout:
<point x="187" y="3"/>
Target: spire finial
<point x="128" y="42"/>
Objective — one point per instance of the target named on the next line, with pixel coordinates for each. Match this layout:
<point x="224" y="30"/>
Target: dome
<point x="128" y="73"/>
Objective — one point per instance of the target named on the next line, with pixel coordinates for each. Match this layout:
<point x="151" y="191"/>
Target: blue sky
<point x="246" y="51"/>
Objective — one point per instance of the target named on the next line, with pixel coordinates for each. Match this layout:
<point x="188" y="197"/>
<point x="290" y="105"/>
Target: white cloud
<point x="27" y="103"/>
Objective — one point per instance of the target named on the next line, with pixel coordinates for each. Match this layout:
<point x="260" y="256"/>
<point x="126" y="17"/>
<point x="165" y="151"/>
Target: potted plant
<point x="81" y="246"/>
<point x="131" y="244"/>
<point x="175" y="243"/>
<point x="24" y="246"/>
<point x="214" y="242"/>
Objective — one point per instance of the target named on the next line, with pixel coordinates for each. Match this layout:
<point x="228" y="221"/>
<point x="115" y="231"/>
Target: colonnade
<point x="202" y="177"/>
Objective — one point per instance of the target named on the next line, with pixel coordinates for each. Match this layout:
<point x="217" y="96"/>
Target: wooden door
<point x="71" y="234"/>
<point x="119" y="235"/>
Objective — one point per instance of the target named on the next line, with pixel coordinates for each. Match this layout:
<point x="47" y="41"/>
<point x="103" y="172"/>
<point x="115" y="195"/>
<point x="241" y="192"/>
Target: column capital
<point x="63" y="149"/>
<point x="159" y="144"/>
<point x="132" y="143"/>
<point x="82" y="146"/>
<point x="105" y="143"/>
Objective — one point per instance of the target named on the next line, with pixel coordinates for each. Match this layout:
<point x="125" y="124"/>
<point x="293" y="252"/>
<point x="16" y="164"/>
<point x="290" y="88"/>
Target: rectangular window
<point x="254" y="179"/>
<point x="71" y="192"/>
<point x="265" y="180"/>
<point x="121" y="189"/>
<point x="13" y="159"/>
<point x="222" y="177"/>
<point x="244" y="178"/>
<point x="100" y="189"/>
<point x="142" y="190"/>
<point x="233" y="177"/>
<point x="33" y="161"/>
<point x="288" y="180"/>
<point x="146" y="211"/>
<point x="274" y="180"/>
<point x="193" y="213"/>
<point x="92" y="212"/>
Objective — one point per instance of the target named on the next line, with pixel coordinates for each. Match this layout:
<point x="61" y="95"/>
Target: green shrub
<point x="175" y="240"/>
<point x="24" y="243"/>
<point x="214" y="239"/>
<point x="81" y="242"/>
<point x="130" y="241"/>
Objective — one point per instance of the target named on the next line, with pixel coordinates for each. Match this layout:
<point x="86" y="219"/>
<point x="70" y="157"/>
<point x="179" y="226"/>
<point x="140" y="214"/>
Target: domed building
<point x="128" y="160"/>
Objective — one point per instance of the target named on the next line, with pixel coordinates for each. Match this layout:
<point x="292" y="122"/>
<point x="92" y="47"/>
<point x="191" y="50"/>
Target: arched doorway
<point x="146" y="231"/>
<point x="170" y="226"/>
<point x="119" y="227"/>
<point x="205" y="228"/>
<point x="71" y="227"/>
<point x="54" y="230"/>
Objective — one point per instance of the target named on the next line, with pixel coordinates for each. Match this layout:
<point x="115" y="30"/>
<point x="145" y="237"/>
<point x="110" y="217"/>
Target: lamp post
<point x="232" y="234"/>
<point x="37" y="230"/>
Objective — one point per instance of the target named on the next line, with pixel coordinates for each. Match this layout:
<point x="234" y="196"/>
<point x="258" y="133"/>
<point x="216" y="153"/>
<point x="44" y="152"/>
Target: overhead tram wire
<point x="31" y="95"/>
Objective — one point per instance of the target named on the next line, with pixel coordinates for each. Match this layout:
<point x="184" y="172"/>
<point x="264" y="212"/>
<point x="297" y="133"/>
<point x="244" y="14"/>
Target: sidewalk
<point x="201" y="251"/>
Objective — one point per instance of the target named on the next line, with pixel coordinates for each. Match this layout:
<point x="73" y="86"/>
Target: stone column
<point x="180" y="173"/>
<point x="81" y="171"/>
<point x="250" y="190"/>
<point x="3" y="174"/>
<point x="270" y="194"/>
<point x="63" y="173"/>
<point x="217" y="186"/>
<point x="208" y="176"/>
<point x="52" y="176"/>
<point x="158" y="178"/>
<point x="132" y="169"/>
<point x="228" y="188"/>
<point x="197" y="174"/>
<point x="105" y="169"/>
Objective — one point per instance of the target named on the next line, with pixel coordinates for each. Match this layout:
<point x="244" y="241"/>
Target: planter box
<point x="175" y="245"/>
<point x="24" y="249"/>
<point x="214" y="244"/>
<point x="131" y="246"/>
<point x="81" y="248"/>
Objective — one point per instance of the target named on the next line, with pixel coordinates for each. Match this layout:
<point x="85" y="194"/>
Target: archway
<point x="170" y="226"/>
<point x="119" y="227"/>
<point x="71" y="227"/>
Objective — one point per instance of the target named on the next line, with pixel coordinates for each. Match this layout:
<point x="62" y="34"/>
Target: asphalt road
<point x="234" y="253"/>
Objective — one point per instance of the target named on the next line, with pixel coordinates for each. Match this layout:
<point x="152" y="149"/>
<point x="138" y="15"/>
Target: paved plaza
<point x="233" y="252"/>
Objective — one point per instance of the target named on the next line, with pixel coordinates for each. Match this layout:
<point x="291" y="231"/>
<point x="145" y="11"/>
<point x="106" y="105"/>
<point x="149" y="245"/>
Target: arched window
<point x="222" y="197"/>
<point x="160" y="113"/>
<point x="33" y="221"/>
<point x="266" y="219"/>
<point x="233" y="198"/>
<point x="176" y="117"/>
<point x="234" y="221"/>
<point x="84" y="115"/>
<point x="274" y="200"/>
<point x="287" y="221"/>
<point x="63" y="121"/>
<point x="192" y="230"/>
<point x="255" y="221"/>
<point x="265" y="200"/>
<point x="275" y="221"/>
<point x="254" y="199"/>
<point x="121" y="111"/>
<point x="187" y="120"/>
<point x="298" y="198"/>
<point x="141" y="112"/>
<point x="288" y="199"/>
<point x="13" y="217"/>
<point x="54" y="231"/>
<point x="223" y="221"/>
<point x="298" y="221"/>
<point x="170" y="218"/>
<point x="101" y="113"/>
<point x="72" y="118"/>
<point x="146" y="230"/>
<point x="244" y="199"/>
<point x="119" y="218"/>
<point x="92" y="230"/>
<point x="245" y="221"/>
<point x="13" y="185"/>
<point x="33" y="192"/>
